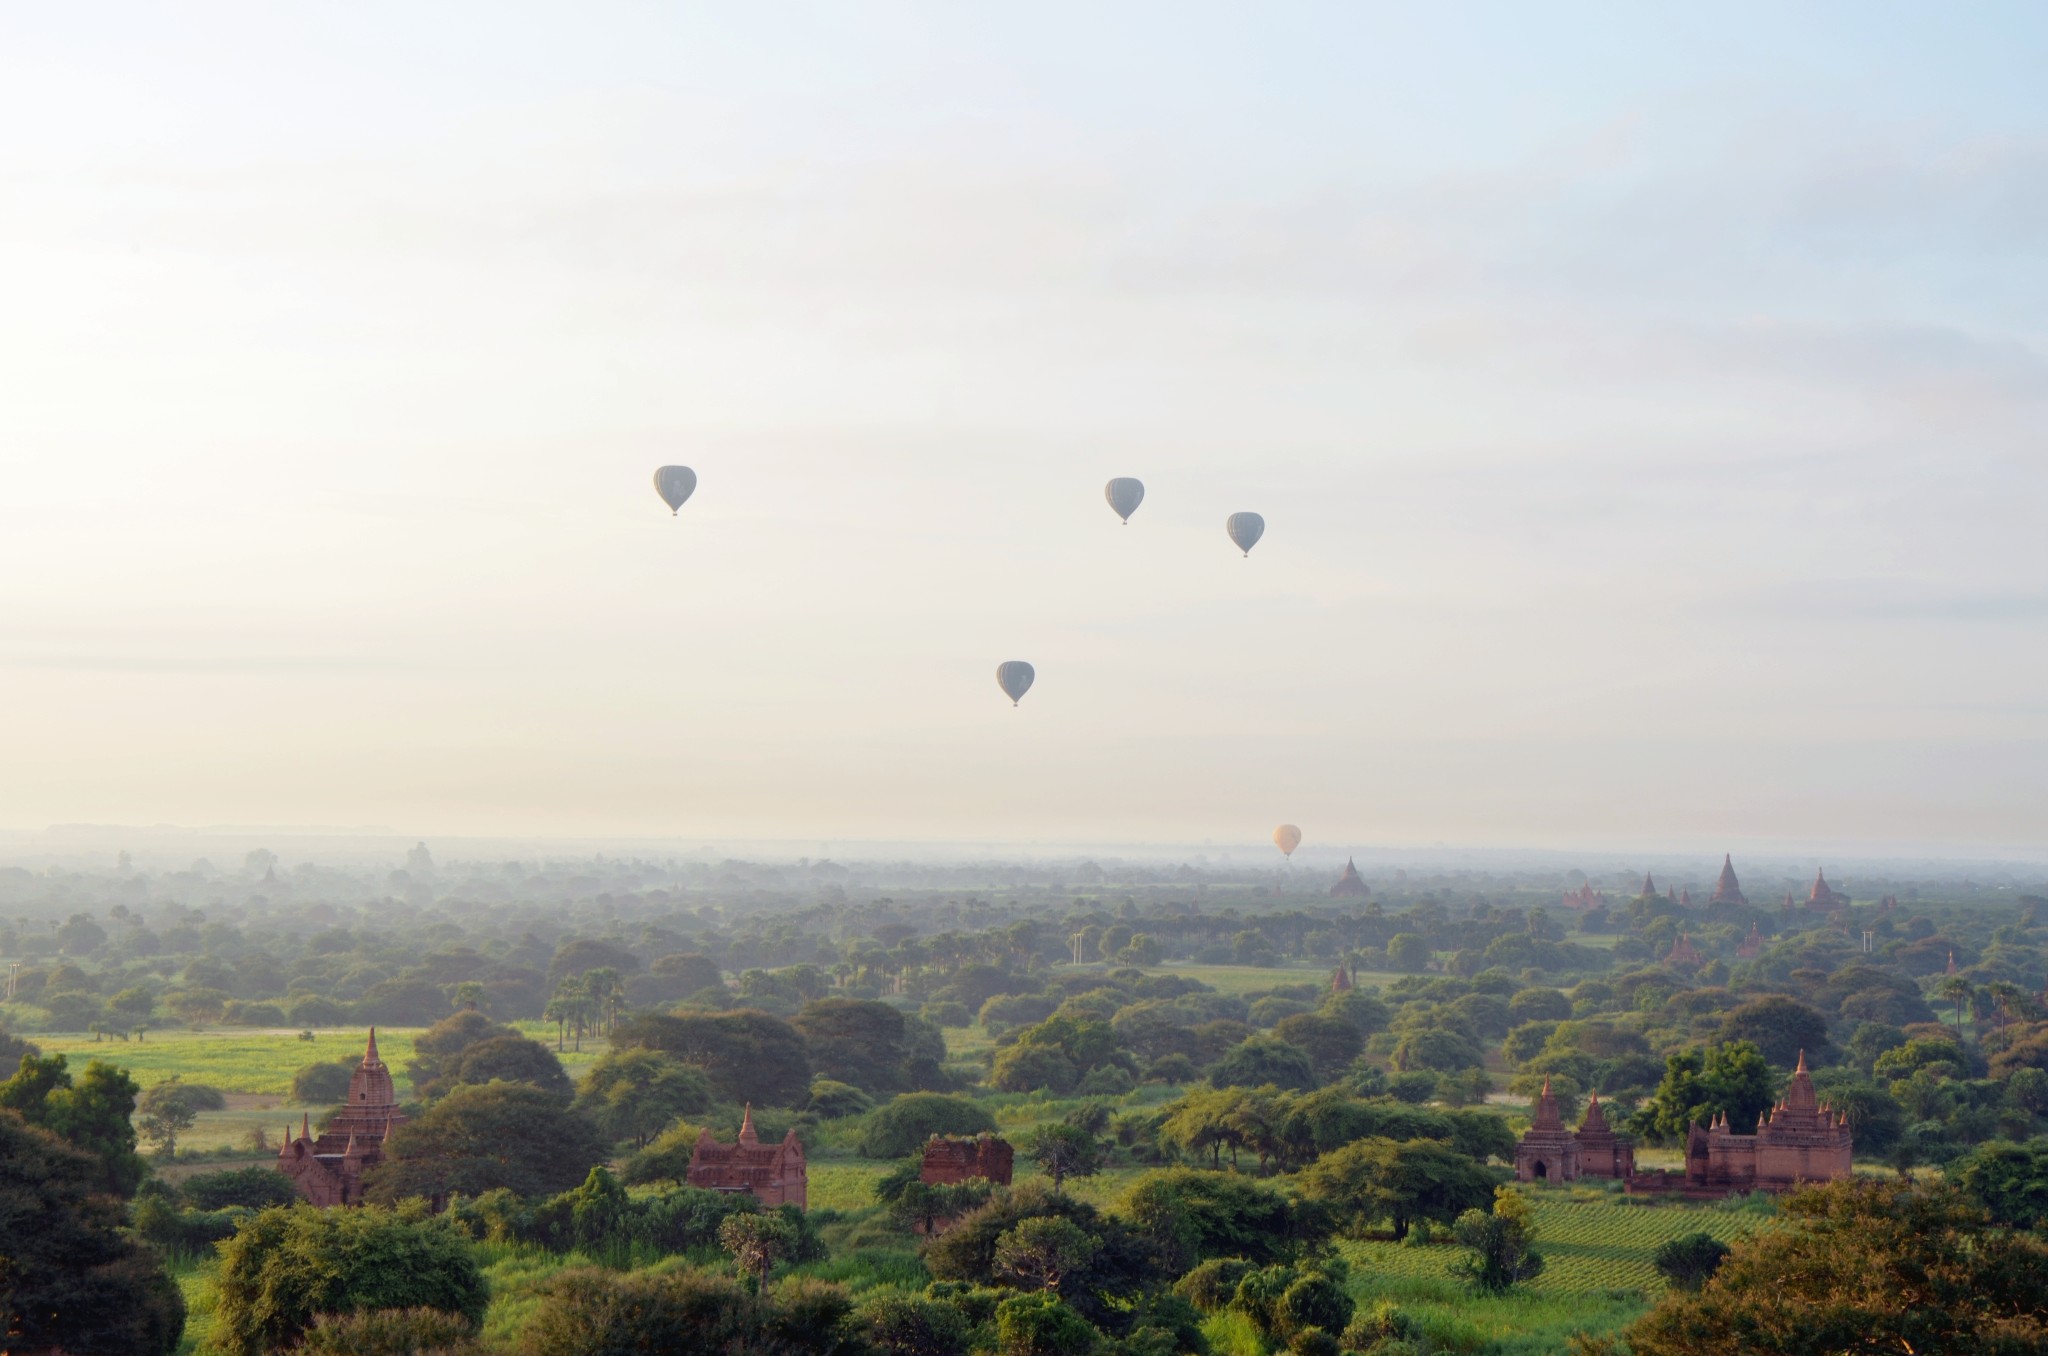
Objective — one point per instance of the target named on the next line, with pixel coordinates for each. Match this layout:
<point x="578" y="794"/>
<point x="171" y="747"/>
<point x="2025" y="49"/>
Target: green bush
<point x="905" y="1123"/>
<point x="322" y="1084"/>
<point x="283" y="1267"/>
<point x="253" y="1188"/>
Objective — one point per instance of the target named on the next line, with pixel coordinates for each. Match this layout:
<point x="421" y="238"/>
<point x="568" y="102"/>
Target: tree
<point x="1957" y="990"/>
<point x="1407" y="952"/>
<point x="1690" y="1261"/>
<point x="1041" y="1324"/>
<point x="1437" y="1048"/>
<point x="164" y="1115"/>
<point x="1502" y="1241"/>
<point x="1064" y="1150"/>
<point x="904" y="1124"/>
<point x="856" y="1041"/>
<point x="911" y="1325"/>
<point x="510" y="1059"/>
<point x="71" y="1279"/>
<point x="1190" y="1214"/>
<point x="391" y="1332"/>
<point x="1780" y="1028"/>
<point x="1870" y="1266"/>
<point x="285" y="1266"/>
<point x="479" y="1138"/>
<point x="749" y="1056"/>
<point x="586" y="1311"/>
<point x="1262" y="1060"/>
<point x="93" y="1113"/>
<point x="756" y="1241"/>
<point x="2009" y="1181"/>
<point x="635" y="1094"/>
<point x="323" y="1083"/>
<point x="607" y="993"/>
<point x="1698" y="1085"/>
<point x="252" y="1188"/>
<point x="1399" y="1182"/>
<point x="1332" y="1043"/>
<point x="1040" y="1253"/>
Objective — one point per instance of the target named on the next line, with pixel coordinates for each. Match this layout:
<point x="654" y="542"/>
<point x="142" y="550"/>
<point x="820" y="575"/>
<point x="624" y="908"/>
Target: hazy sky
<point x="1647" y="403"/>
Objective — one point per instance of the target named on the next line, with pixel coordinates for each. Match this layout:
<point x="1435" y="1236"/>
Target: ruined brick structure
<point x="1585" y="897"/>
<point x="329" y="1170"/>
<point x="1551" y="1153"/>
<point x="775" y="1174"/>
<point x="1752" y="946"/>
<point x="1349" y="885"/>
<point x="948" y="1162"/>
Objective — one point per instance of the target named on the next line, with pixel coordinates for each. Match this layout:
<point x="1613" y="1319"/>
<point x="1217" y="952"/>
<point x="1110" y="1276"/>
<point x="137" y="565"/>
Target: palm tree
<point x="566" y="1006"/>
<point x="606" y="991"/>
<point x="2004" y="993"/>
<point x="1958" y="991"/>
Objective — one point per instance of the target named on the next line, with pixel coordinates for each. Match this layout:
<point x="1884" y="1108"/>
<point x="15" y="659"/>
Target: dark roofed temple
<point x="1349" y="885"/>
<point x="328" y="1170"/>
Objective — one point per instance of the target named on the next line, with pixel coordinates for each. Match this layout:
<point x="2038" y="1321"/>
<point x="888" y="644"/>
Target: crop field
<point x="1589" y="1247"/>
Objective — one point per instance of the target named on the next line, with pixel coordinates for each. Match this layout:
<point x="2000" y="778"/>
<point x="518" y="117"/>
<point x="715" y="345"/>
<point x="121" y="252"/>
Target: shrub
<point x="831" y="1099"/>
<point x="285" y="1266"/>
<point x="1690" y="1261"/>
<point x="253" y="1188"/>
<point x="903" y="1125"/>
<point x="391" y="1332"/>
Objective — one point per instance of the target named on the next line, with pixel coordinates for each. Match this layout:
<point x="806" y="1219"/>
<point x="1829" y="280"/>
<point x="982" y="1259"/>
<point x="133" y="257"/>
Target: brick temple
<point x="1797" y="1141"/>
<point x="328" y="1170"/>
<point x="1350" y="885"/>
<point x="948" y="1162"/>
<point x="1551" y="1153"/>
<point x="775" y="1173"/>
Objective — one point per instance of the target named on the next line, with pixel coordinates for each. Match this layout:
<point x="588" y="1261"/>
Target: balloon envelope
<point x="1014" y="678"/>
<point x="1245" y="529"/>
<point x="1124" y="495"/>
<point x="1287" y="838"/>
<point x="674" y="484"/>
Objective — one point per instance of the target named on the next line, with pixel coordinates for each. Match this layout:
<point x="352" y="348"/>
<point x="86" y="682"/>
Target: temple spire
<point x="370" y="1055"/>
<point x="747" y="1132"/>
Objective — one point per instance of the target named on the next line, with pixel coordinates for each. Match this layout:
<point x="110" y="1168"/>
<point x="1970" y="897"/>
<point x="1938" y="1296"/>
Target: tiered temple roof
<point x="1823" y="895"/>
<point x="1752" y="946"/>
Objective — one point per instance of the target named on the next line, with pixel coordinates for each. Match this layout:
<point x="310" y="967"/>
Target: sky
<point x="1647" y="405"/>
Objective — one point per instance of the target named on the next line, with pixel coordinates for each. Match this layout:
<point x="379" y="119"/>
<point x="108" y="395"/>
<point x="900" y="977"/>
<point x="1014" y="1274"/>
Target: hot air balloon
<point x="1124" y="495"/>
<point x="1014" y="678"/>
<point x="1245" y="529"/>
<point x="1287" y="838"/>
<point x="674" y="484"/>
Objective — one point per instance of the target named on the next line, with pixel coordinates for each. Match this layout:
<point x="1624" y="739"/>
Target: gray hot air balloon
<point x="1014" y="678"/>
<point x="1124" y="495"/>
<point x="674" y="484"/>
<point x="1246" y="529"/>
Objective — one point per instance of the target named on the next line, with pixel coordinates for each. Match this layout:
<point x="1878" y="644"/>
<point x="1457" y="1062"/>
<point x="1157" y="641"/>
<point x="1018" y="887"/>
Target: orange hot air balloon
<point x="1287" y="838"/>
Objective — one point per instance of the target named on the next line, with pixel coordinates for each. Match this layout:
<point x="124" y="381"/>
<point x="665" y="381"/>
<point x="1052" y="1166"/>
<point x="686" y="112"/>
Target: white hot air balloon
<point x="1124" y="495"/>
<point x="1014" y="677"/>
<point x="1245" y="529"/>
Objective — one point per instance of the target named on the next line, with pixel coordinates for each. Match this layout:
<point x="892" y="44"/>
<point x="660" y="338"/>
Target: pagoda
<point x="1683" y="956"/>
<point x="1341" y="980"/>
<point x="1751" y="946"/>
<point x="1602" y="1153"/>
<point x="1548" y="1152"/>
<point x="1823" y="896"/>
<point x="1798" y="1140"/>
<point x="1649" y="890"/>
<point x="1349" y="885"/>
<point x="1728" y="890"/>
<point x="328" y="1169"/>
<point x="775" y="1174"/>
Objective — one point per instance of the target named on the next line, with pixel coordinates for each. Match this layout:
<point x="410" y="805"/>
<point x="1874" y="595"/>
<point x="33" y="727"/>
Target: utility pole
<point x="13" y="969"/>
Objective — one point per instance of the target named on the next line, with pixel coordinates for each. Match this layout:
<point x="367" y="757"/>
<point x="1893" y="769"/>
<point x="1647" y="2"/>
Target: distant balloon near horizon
<point x="1015" y="677"/>
<point x="1245" y="529"/>
<point x="1124" y="495"/>
<point x="675" y="484"/>
<point x="1287" y="838"/>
